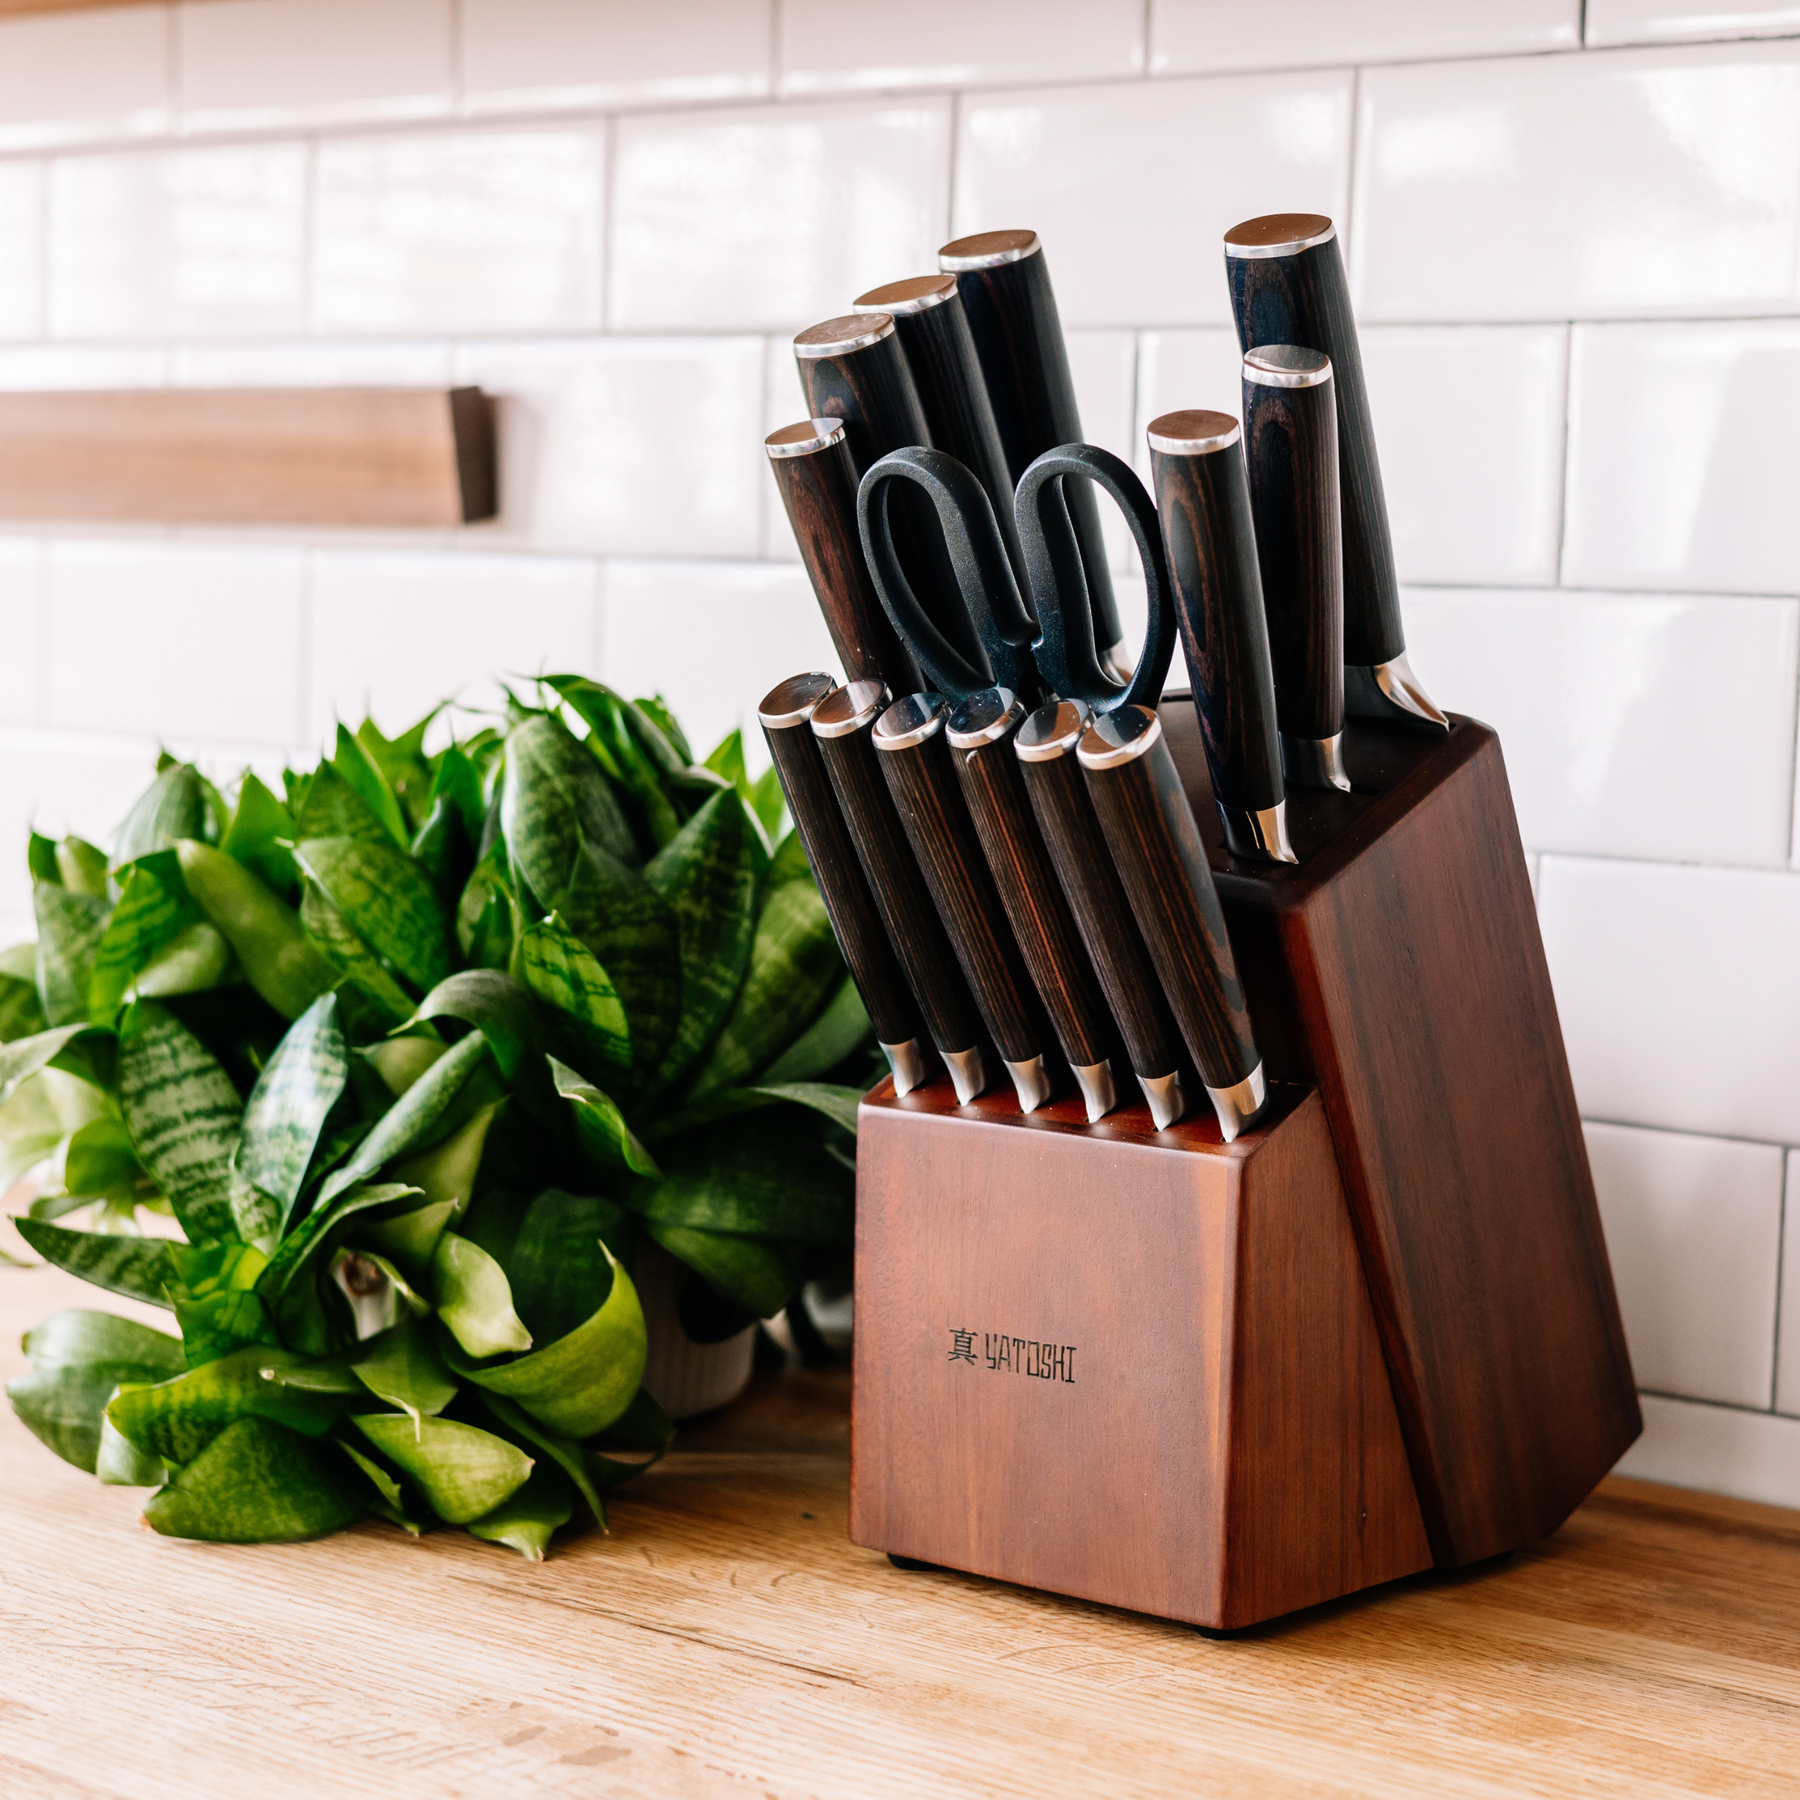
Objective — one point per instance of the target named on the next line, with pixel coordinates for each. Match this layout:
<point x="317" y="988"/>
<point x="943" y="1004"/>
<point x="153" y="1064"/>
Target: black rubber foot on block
<point x="909" y="1562"/>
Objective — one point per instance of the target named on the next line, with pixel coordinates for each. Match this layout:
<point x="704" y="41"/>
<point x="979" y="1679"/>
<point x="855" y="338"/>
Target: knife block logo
<point x="1033" y="1358"/>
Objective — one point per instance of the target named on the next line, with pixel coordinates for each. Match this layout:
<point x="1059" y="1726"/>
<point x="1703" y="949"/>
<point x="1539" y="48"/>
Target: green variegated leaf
<point x="219" y="1324"/>
<point x="507" y="1016"/>
<point x="525" y="1521"/>
<point x="560" y="1264"/>
<point x="196" y="958"/>
<point x="392" y="1501"/>
<point x="461" y="1470"/>
<point x="100" y="1164"/>
<point x="21" y="1011"/>
<point x="756" y="1177"/>
<point x="404" y="1369"/>
<point x="727" y="758"/>
<point x="410" y="1239"/>
<point x="372" y="1000"/>
<point x="154" y="907"/>
<point x="386" y="901"/>
<point x="330" y="807"/>
<point x="403" y="764"/>
<point x="445" y="1174"/>
<point x="554" y="799"/>
<point x="177" y="1419"/>
<point x="288" y="1107"/>
<point x="519" y="1427"/>
<point x="446" y="842"/>
<point x="70" y="928"/>
<point x="760" y="1277"/>
<point x="120" y="1463"/>
<point x="360" y="772"/>
<point x="561" y="970"/>
<point x="63" y="1406"/>
<point x="40" y="859"/>
<point x="85" y="1335"/>
<point x="838" y="1104"/>
<point x="487" y="914"/>
<point x="173" y="807"/>
<point x="290" y="1283"/>
<point x="618" y="742"/>
<point x="474" y="1299"/>
<point x="183" y="1115"/>
<point x="259" y="835"/>
<point x="839" y="1031"/>
<point x="769" y="802"/>
<point x="259" y="1483"/>
<point x="82" y="867"/>
<point x="654" y="709"/>
<point x="600" y="1126"/>
<point x="789" y="862"/>
<point x="44" y="1049"/>
<point x="279" y="960"/>
<point x="137" y="1267"/>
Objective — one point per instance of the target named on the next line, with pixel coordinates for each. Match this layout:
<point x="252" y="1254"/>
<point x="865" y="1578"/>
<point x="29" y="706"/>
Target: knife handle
<point x="842" y="725"/>
<point x="816" y="476"/>
<point x="1290" y="436"/>
<point x="1045" y="750"/>
<point x="786" y="718"/>
<point x="980" y="735"/>
<point x="1156" y="847"/>
<point x="1203" y="496"/>
<point x="915" y="759"/>
<point x="852" y="368"/>
<point x="1004" y="281"/>
<point x="933" y="329"/>
<point x="1288" y="286"/>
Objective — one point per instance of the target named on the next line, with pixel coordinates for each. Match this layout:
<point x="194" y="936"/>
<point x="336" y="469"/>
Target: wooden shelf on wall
<point x="250" y="456"/>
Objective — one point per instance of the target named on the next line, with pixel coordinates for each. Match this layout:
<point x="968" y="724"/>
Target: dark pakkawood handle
<point x="1156" y="847"/>
<point x="842" y="884"/>
<point x="994" y="791"/>
<point x="943" y="839"/>
<point x="872" y="390"/>
<point x="1102" y="913"/>
<point x="914" y="928"/>
<point x="1018" y="339"/>
<point x="1290" y="435"/>
<point x="1204" y="501"/>
<point x="1304" y="298"/>
<point x="818" y="489"/>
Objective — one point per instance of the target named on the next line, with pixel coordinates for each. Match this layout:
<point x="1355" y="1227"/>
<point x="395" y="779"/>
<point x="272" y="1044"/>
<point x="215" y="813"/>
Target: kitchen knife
<point x="813" y="469"/>
<point x="1045" y="746"/>
<point x="1287" y="281"/>
<point x="1005" y="285"/>
<point x="933" y="330"/>
<point x="1156" y="847"/>
<point x="786" y="716"/>
<point x="980" y="732"/>
<point x="1197" y="460"/>
<point x="1290" y="444"/>
<point x="915" y="759"/>
<point x="842" y="724"/>
<point x="852" y="368"/>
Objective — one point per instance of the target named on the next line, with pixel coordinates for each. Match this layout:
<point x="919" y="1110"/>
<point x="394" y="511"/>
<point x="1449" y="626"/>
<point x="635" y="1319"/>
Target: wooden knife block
<point x="1376" y="1333"/>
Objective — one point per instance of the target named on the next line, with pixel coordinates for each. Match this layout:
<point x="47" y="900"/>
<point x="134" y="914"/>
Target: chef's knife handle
<point x="816" y="476"/>
<point x="1290" y="434"/>
<point x="1066" y="653"/>
<point x="1156" y="847"/>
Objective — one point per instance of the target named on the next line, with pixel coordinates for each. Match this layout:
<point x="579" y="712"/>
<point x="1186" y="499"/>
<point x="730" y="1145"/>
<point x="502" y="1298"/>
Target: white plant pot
<point x="685" y="1378"/>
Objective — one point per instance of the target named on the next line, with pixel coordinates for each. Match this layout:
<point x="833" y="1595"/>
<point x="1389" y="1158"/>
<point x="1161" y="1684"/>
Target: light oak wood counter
<point x="726" y="1640"/>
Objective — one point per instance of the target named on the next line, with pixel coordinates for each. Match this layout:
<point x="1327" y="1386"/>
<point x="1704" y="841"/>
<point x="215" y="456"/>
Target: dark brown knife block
<point x="1220" y="1382"/>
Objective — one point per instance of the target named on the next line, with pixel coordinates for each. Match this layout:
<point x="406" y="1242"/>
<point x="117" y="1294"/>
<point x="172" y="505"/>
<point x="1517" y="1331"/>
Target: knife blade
<point x="1156" y="848"/>
<point x="843" y="724"/>
<point x="1004" y="281"/>
<point x="980" y="733"/>
<point x="1045" y="746"/>
<point x="852" y="368"/>
<point x="915" y="759"/>
<point x="1203" y="497"/>
<point x="1290" y="437"/>
<point x="817" y="478"/>
<point x="933" y="328"/>
<point x="786" y="716"/>
<point x="1286" y="274"/>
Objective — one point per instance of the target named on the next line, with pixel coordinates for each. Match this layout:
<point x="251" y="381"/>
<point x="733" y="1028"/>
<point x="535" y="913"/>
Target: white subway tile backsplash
<point x="470" y="231"/>
<point x="712" y="639"/>
<point x="383" y="363"/>
<point x="25" y="366"/>
<point x="771" y="219"/>
<point x="1659" y="22"/>
<point x="1181" y="370"/>
<point x="1103" y="365"/>
<point x="1683" y="465"/>
<point x="827" y="46"/>
<point x="1625" y="183"/>
<point x="22" y="256"/>
<point x="71" y="76"/>
<point x="1679" y="992"/>
<point x="1197" y="36"/>
<point x="1693" y="1227"/>
<point x="783" y="403"/>
<point x="395" y="635"/>
<point x="1752" y="1456"/>
<point x="261" y="63"/>
<point x="22" y="629"/>
<point x="521" y="54"/>
<point x="201" y="642"/>
<point x="1132" y="186"/>
<point x="178" y="243"/>
<point x="1469" y="423"/>
<point x="1585" y="690"/>
<point x="630" y="446"/>
<point x="1787" y="1338"/>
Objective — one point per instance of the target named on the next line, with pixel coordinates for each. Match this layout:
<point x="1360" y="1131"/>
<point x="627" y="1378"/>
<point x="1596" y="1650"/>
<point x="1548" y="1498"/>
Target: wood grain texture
<point x="1102" y="913"/>
<point x="844" y="888"/>
<point x="901" y="896"/>
<point x="310" y="456"/>
<point x="1204" y="503"/>
<point x="993" y="790"/>
<point x="1399" y="965"/>
<point x="1290" y="449"/>
<point x="1304" y="299"/>
<point x="1215" y="1440"/>
<point x="727" y="1642"/>
<point x="818" y="492"/>
<point x="938" y="827"/>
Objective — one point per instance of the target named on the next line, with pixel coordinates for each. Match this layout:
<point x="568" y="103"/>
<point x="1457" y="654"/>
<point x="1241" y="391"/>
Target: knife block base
<point x="1133" y="1367"/>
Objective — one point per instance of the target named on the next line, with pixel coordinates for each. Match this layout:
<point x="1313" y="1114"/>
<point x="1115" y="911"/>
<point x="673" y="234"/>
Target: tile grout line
<point x="1711" y="1137"/>
<point x="1564" y="471"/>
<point x="1780" y="1258"/>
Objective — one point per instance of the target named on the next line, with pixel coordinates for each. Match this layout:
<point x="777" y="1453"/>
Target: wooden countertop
<point x="726" y="1640"/>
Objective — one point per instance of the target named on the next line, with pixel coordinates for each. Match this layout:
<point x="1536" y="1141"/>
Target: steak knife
<point x="1288" y="286"/>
